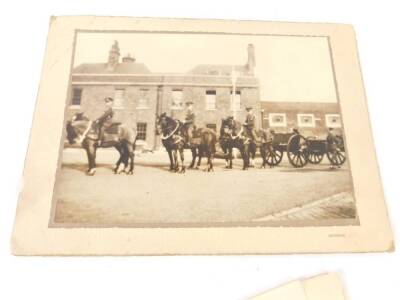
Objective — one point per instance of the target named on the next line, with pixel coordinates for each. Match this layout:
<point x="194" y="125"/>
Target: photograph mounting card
<point x="171" y="136"/>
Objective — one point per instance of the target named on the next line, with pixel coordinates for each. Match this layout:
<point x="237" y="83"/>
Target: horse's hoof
<point x="91" y="172"/>
<point x="130" y="173"/>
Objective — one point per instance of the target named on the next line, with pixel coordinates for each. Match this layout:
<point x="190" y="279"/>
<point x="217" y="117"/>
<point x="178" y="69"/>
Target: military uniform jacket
<point x="106" y="118"/>
<point x="251" y="122"/>
<point x="190" y="119"/>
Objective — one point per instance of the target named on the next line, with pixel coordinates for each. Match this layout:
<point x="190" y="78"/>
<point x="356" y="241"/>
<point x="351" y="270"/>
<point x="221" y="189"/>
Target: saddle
<point x="111" y="133"/>
<point x="113" y="128"/>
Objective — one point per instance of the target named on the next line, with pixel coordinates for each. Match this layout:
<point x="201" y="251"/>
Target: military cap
<point x="295" y="130"/>
<point x="330" y="128"/>
<point x="108" y="99"/>
<point x="189" y="103"/>
<point x="248" y="108"/>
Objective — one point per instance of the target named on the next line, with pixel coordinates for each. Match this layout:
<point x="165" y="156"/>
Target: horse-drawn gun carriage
<point x="301" y="151"/>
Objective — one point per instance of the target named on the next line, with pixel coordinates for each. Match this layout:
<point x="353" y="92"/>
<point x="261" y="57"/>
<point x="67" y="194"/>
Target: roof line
<point x="160" y="75"/>
<point x="160" y="83"/>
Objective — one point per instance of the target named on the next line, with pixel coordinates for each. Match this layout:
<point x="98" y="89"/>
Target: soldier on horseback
<point x="250" y="123"/>
<point x="189" y="123"/>
<point x="106" y="119"/>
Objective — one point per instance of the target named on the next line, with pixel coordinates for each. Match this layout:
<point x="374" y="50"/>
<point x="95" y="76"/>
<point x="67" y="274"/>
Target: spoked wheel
<point x="315" y="157"/>
<point x="273" y="157"/>
<point x="297" y="151"/>
<point x="336" y="153"/>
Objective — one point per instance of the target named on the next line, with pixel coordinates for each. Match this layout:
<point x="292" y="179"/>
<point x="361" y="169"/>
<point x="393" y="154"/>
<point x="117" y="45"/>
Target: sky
<point x="289" y="68"/>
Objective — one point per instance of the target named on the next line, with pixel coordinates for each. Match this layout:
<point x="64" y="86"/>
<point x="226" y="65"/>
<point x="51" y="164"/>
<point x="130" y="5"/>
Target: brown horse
<point x="82" y="131"/>
<point x="261" y="143"/>
<point x="232" y="136"/>
<point x="173" y="139"/>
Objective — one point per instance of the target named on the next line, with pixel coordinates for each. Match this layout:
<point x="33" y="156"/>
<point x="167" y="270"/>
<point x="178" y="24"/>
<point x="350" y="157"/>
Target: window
<point x="211" y="100"/>
<point x="306" y="120"/>
<point x="177" y="99"/>
<point x="333" y="120"/>
<point x="235" y="101"/>
<point x="141" y="129"/>
<point x="76" y="97"/>
<point x="277" y="120"/>
<point x="212" y="127"/>
<point x="143" y="101"/>
<point x="119" y="98"/>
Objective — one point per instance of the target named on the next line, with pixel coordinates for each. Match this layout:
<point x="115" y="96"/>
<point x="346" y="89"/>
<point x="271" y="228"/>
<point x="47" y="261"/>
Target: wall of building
<point x="92" y="104"/>
<point x="292" y="110"/>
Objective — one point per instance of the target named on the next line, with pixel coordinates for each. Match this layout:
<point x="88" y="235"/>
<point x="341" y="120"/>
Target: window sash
<point x="143" y="101"/>
<point x="119" y="96"/>
<point x="211" y="98"/>
<point x="235" y="101"/>
<point x="141" y="129"/>
<point x="76" y="97"/>
<point x="275" y="123"/>
<point x="212" y="126"/>
<point x="177" y="99"/>
<point x="329" y="122"/>
<point x="301" y="123"/>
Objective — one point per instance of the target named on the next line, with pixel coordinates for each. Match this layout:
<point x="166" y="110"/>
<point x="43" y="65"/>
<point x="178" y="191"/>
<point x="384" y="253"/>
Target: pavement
<point x="153" y="196"/>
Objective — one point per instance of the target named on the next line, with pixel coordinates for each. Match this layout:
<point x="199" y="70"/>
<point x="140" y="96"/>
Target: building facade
<point x="311" y="119"/>
<point x="140" y="95"/>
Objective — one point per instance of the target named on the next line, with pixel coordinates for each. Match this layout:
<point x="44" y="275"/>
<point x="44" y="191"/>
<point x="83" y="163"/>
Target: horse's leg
<point x="253" y="155"/>
<point x="91" y="154"/>
<point x="121" y="153"/>
<point x="230" y="157"/>
<point x="211" y="161"/>
<point x="199" y="159"/>
<point x="171" y="160"/>
<point x="194" y="154"/>
<point x="175" y="158"/>
<point x="181" y="153"/>
<point x="208" y="153"/>
<point x="131" y="156"/>
<point x="225" y="150"/>
<point x="244" y="154"/>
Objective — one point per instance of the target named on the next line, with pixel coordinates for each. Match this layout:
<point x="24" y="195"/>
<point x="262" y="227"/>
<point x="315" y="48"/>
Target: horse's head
<point x="76" y="127"/>
<point x="227" y="125"/>
<point x="162" y="122"/>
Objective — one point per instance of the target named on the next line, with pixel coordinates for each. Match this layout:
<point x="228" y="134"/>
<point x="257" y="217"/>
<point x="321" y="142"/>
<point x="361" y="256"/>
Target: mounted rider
<point x="250" y="123"/>
<point x="106" y="119"/>
<point x="189" y="123"/>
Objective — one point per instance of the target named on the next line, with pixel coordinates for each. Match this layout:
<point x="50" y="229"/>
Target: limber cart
<point x="301" y="151"/>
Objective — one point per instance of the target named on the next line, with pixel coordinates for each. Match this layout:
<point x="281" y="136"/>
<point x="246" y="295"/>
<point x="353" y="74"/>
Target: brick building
<point x="312" y="119"/>
<point x="140" y="95"/>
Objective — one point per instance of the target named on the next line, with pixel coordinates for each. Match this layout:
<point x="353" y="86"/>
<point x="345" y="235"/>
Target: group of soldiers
<point x="106" y="119"/>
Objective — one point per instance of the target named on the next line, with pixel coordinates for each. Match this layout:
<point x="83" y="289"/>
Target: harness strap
<point x="172" y="133"/>
<point x="82" y="137"/>
<point x="240" y="132"/>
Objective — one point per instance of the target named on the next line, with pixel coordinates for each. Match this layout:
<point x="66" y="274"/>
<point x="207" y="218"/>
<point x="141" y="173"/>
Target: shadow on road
<point x="310" y="170"/>
<point x="83" y="167"/>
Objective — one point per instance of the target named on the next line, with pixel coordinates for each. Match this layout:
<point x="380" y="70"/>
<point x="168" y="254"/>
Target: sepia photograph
<point x="175" y="136"/>
<point x="187" y="129"/>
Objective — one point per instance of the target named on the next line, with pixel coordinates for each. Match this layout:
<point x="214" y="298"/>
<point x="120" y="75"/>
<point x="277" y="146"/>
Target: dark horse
<point x="82" y="131"/>
<point x="173" y="138"/>
<point x="233" y="135"/>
